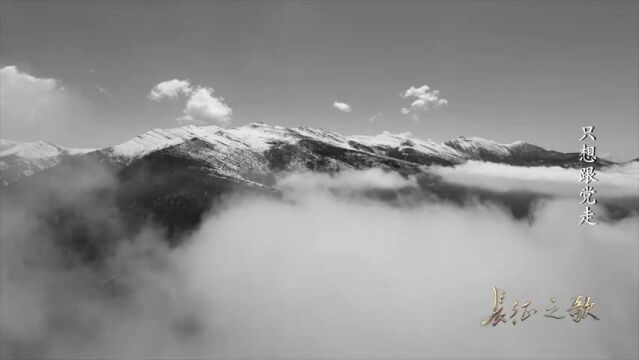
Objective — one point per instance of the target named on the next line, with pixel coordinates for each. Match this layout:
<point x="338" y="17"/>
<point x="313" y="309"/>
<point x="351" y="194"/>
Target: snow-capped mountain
<point x="173" y="177"/>
<point x="250" y="152"/>
<point x="258" y="146"/>
<point x="20" y="159"/>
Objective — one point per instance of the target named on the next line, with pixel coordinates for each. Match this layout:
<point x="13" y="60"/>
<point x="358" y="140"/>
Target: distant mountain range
<point x="253" y="152"/>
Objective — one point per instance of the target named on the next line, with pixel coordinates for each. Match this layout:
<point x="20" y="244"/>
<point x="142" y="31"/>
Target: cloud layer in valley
<point x="320" y="275"/>
<point x="617" y="181"/>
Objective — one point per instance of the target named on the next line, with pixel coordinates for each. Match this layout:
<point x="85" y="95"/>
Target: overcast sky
<point x="82" y="73"/>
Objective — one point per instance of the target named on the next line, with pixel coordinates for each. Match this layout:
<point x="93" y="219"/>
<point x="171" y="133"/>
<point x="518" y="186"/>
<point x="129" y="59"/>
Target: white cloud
<point x="425" y="99"/>
<point x="11" y="76"/>
<point x="41" y="108"/>
<point x="416" y="92"/>
<point x="28" y="100"/>
<point x="203" y="108"/>
<point x="343" y="107"/>
<point x="170" y="89"/>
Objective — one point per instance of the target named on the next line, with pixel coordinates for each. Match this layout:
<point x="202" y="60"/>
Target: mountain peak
<point x="35" y="150"/>
<point x="20" y="159"/>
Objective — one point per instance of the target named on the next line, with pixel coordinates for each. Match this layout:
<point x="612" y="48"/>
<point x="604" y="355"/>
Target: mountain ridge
<point x="261" y="147"/>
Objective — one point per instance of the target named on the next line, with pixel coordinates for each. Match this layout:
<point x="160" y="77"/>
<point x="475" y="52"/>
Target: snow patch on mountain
<point x="20" y="159"/>
<point x="406" y="140"/>
<point x="36" y="150"/>
<point x="259" y="137"/>
<point x="475" y="146"/>
<point x="257" y="147"/>
<point x="33" y="150"/>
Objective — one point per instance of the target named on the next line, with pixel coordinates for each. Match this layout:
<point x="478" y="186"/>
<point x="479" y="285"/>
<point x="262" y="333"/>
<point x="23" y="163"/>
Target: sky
<point x="93" y="74"/>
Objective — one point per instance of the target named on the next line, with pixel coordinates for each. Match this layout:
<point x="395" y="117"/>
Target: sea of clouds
<point x="316" y="274"/>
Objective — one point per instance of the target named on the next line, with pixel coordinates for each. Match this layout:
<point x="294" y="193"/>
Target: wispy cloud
<point x="375" y="118"/>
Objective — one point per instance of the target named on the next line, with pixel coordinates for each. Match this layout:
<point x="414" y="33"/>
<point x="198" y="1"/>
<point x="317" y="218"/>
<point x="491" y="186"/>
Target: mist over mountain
<point x="268" y="242"/>
<point x="173" y="177"/>
<point x="356" y="264"/>
<point x="180" y="229"/>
